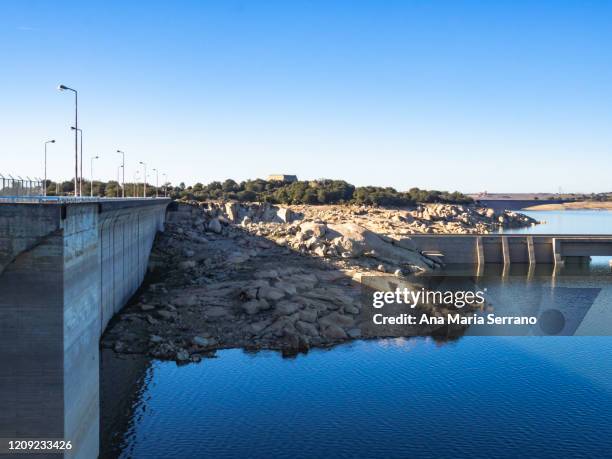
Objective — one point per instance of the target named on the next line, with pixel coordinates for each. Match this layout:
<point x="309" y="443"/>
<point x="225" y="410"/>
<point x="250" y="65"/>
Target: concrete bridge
<point x="512" y="248"/>
<point x="66" y="267"/>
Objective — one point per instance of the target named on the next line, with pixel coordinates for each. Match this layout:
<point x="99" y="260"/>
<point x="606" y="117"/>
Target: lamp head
<point x="62" y="87"/>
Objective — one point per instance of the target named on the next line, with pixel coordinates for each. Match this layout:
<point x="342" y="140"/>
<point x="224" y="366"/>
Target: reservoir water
<point x="477" y="396"/>
<point x="568" y="222"/>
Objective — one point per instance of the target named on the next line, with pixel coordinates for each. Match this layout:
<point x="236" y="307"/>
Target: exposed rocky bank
<point x="257" y="276"/>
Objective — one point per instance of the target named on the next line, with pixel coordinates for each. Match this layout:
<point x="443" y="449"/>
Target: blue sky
<point x="466" y="95"/>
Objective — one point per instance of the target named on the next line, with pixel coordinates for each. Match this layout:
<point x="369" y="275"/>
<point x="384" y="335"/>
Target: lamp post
<point x="45" y="183"/>
<point x="165" y="185"/>
<point x="119" y="167"/>
<point x="91" y="170"/>
<point x="61" y="87"/>
<point x="123" y="175"/>
<point x="156" y="183"/>
<point x="123" y="188"/>
<point x="144" y="195"/>
<point x="80" y="131"/>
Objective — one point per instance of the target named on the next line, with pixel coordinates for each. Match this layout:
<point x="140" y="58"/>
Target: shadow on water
<point x="123" y="383"/>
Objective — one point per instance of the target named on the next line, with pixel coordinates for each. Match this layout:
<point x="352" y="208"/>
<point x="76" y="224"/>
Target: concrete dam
<point x="66" y="267"/>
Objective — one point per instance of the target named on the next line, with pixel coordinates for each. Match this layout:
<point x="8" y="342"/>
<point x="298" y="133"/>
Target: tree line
<point x="322" y="191"/>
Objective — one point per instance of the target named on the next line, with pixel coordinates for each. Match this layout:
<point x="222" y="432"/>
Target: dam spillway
<point x="66" y="267"/>
<point x="512" y="248"/>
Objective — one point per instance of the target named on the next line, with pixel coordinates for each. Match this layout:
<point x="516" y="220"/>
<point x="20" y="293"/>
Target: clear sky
<point x="458" y="95"/>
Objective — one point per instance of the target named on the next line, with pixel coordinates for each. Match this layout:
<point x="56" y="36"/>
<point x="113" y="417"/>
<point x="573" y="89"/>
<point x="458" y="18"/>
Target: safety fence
<point x="18" y="186"/>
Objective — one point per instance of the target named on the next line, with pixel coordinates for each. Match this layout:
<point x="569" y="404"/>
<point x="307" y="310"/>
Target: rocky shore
<point x="227" y="275"/>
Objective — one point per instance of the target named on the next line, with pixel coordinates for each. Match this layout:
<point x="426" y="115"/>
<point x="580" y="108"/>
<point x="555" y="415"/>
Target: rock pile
<point x="347" y="241"/>
<point x="424" y="219"/>
<point x="226" y="275"/>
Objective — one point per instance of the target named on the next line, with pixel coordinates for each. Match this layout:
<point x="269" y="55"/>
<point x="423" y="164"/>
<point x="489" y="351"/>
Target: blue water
<point x="568" y="222"/>
<point x="477" y="397"/>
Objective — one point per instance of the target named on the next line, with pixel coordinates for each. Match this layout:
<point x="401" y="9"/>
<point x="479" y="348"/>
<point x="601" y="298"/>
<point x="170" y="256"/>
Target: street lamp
<point x="165" y="185"/>
<point x="156" y="183"/>
<point x="123" y="177"/>
<point x="91" y="170"/>
<point x="61" y="87"/>
<point x="120" y="167"/>
<point x="45" y="183"/>
<point x="145" y="179"/>
<point x="80" y="131"/>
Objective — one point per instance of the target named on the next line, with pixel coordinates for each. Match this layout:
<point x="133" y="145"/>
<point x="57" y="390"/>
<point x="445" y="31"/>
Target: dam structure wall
<point x="66" y="267"/>
<point x="512" y="248"/>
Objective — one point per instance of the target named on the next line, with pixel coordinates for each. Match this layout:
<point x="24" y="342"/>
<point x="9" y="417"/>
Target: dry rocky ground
<point x="263" y="277"/>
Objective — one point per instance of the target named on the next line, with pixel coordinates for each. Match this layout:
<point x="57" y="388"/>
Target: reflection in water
<point x="397" y="397"/>
<point x="389" y="398"/>
<point x="415" y="397"/>
<point x="568" y="300"/>
<point x="122" y="389"/>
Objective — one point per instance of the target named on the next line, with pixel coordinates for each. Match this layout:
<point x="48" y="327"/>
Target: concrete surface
<point x="65" y="269"/>
<point x="512" y="248"/>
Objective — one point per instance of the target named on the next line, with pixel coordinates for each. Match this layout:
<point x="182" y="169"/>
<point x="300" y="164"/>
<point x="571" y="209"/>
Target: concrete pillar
<point x="480" y="260"/>
<point x="556" y="249"/>
<point x="505" y="250"/>
<point x="531" y="251"/>
<point x="480" y="251"/>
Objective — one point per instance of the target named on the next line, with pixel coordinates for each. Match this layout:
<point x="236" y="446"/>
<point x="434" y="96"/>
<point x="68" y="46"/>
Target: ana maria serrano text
<point x="456" y="298"/>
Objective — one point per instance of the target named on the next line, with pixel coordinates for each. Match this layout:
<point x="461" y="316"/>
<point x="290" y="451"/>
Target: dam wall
<point x="66" y="267"/>
<point x="515" y="204"/>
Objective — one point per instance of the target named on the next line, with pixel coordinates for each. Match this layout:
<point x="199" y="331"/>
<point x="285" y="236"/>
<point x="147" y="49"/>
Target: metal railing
<point x="68" y="199"/>
<point x="11" y="186"/>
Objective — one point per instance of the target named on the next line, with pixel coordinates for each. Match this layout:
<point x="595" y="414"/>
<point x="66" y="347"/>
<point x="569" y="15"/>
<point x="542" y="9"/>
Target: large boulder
<point x="214" y="226"/>
<point x="285" y="215"/>
<point x="255" y="306"/>
<point x="231" y="210"/>
<point x="312" y="229"/>
<point x="333" y="332"/>
<point x="285" y="308"/>
<point x="357" y="241"/>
